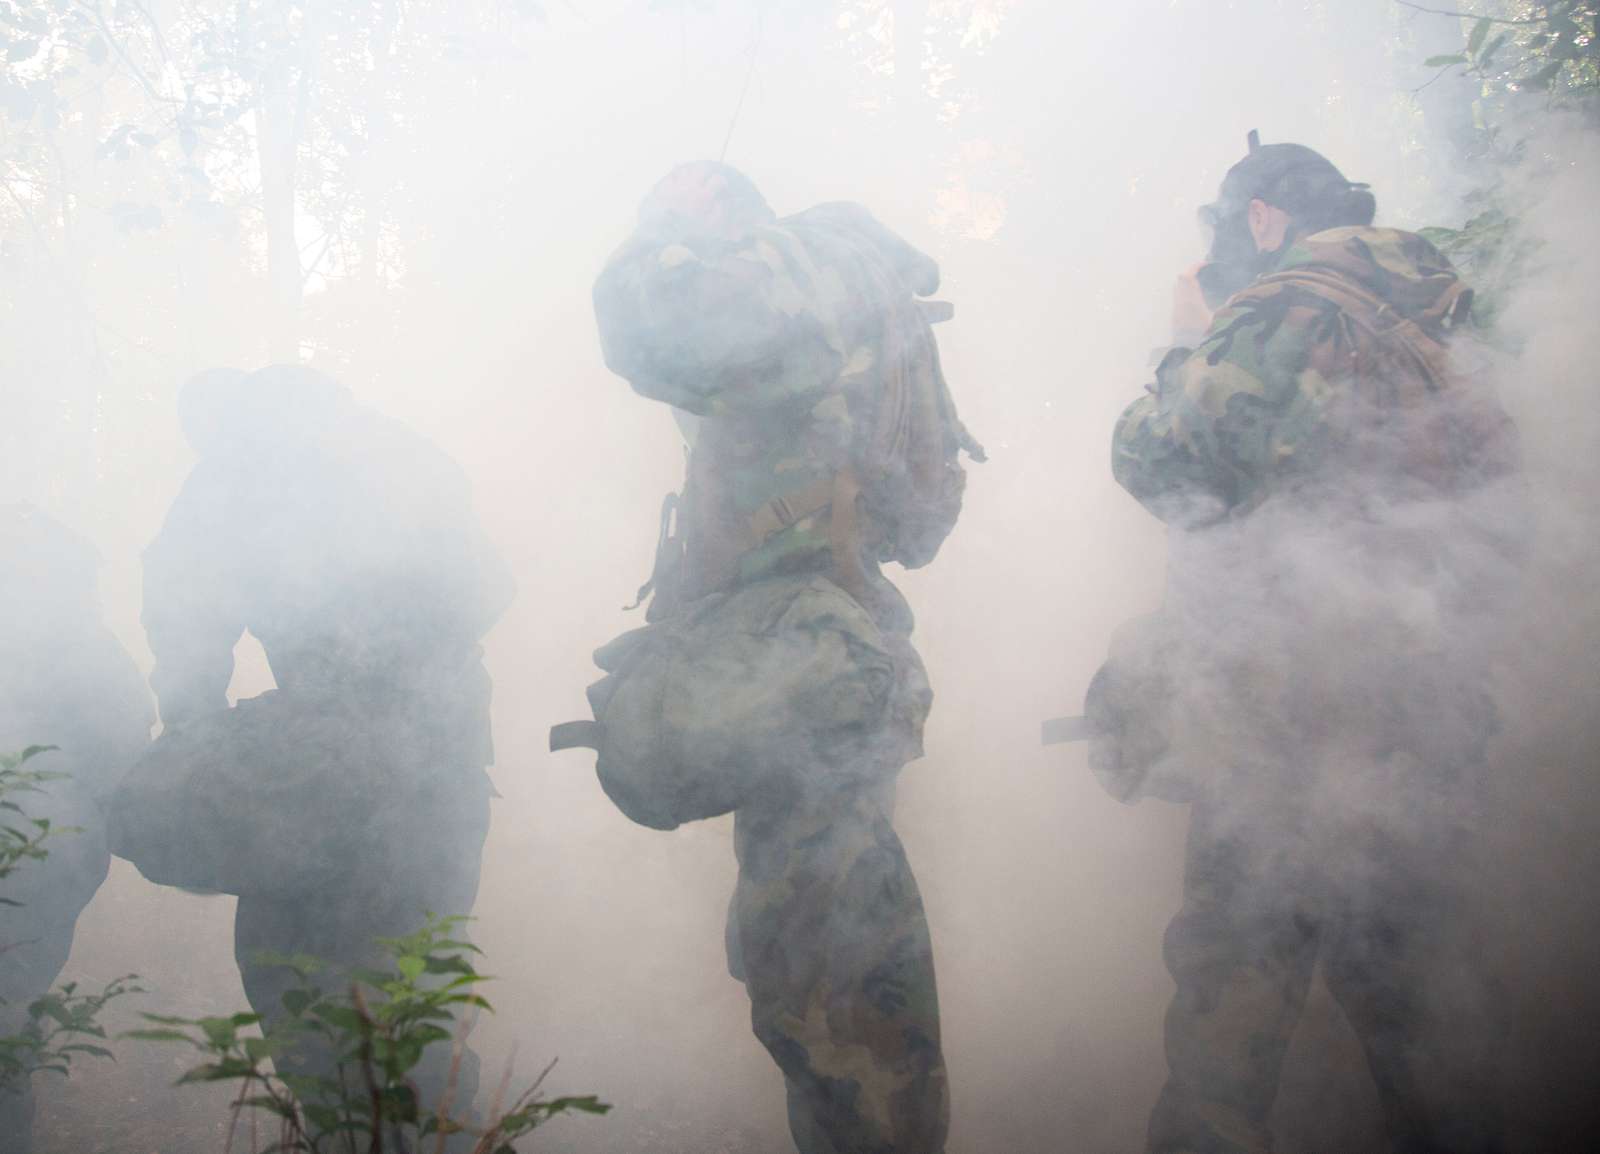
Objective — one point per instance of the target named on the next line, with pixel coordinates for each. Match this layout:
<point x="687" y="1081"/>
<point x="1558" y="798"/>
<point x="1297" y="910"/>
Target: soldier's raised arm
<point x="711" y="301"/>
<point x="1213" y="424"/>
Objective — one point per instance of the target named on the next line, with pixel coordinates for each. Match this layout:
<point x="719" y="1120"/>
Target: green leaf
<point x="341" y="1016"/>
<point x="399" y="1102"/>
<point x="411" y="966"/>
<point x="428" y="1034"/>
<point x="160" y="1036"/>
<point x="453" y="964"/>
<point x="296" y="1001"/>
<point x="86" y="1048"/>
<point x="1495" y="45"/>
<point x="50" y="1007"/>
<point x="1479" y="31"/>
<point x="225" y="1070"/>
<point x="1543" y="77"/>
<point x="1443" y="61"/>
<point x="220" y="1032"/>
<point x="271" y="1105"/>
<point x="587" y="1104"/>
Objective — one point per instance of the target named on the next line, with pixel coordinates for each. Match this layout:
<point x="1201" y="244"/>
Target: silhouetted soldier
<point x="66" y="681"/>
<point x="353" y="798"/>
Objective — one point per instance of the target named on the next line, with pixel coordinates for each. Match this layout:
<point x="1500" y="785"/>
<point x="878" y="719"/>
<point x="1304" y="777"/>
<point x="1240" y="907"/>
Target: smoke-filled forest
<point x="540" y="539"/>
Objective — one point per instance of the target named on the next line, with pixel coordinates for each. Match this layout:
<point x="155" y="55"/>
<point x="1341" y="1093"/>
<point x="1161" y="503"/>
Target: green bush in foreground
<point x="376" y="1032"/>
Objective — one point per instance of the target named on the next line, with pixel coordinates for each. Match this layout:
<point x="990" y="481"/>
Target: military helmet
<point x="1292" y="177"/>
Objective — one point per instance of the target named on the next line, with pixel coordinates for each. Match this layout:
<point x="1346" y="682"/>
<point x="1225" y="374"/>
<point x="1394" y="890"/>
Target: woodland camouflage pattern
<point x="805" y="347"/>
<point x="776" y="677"/>
<point x="1329" y="366"/>
<point x="1322" y="404"/>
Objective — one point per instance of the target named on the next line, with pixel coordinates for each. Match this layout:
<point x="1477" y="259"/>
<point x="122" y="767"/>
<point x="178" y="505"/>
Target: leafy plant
<point x="61" y="1022"/>
<point x="21" y="838"/>
<point x="1524" y="47"/>
<point x="1526" y="58"/>
<point x="60" y="1026"/>
<point x="1490" y="250"/>
<point x="343" y="1064"/>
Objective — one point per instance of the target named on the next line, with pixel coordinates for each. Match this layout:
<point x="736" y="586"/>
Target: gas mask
<point x="1290" y="176"/>
<point x="1232" y="261"/>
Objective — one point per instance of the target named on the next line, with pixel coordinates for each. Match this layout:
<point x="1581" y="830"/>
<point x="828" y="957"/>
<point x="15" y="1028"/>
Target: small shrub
<point x="377" y="1033"/>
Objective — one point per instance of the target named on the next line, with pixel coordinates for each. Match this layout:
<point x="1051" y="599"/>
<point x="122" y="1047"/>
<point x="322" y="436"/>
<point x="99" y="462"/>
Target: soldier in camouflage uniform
<point x="776" y="677"/>
<point x="1340" y="485"/>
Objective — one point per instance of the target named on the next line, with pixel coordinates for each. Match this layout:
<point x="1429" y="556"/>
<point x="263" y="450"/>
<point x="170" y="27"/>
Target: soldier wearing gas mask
<point x="1339" y="483"/>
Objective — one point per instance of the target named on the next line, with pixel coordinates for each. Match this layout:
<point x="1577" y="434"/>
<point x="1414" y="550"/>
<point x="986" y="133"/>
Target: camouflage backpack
<point x="829" y="426"/>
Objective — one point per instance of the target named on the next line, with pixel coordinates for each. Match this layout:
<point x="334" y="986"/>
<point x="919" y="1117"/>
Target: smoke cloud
<point x="1050" y="158"/>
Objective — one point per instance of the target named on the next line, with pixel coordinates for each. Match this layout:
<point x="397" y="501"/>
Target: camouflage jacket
<point x="828" y="439"/>
<point x="1330" y="373"/>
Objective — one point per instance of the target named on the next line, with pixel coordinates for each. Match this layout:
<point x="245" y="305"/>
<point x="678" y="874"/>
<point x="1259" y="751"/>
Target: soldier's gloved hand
<point x="1127" y="710"/>
<point x="1107" y="725"/>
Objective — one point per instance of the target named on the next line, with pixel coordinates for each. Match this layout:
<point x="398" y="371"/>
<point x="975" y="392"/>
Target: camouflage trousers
<point x="1270" y="891"/>
<point x="828" y="934"/>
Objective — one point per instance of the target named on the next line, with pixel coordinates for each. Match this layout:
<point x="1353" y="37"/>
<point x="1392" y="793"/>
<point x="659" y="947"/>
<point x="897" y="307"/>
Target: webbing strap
<point x="837" y="492"/>
<point x="1377" y="316"/>
<point x="575" y="735"/>
<point x="787" y="508"/>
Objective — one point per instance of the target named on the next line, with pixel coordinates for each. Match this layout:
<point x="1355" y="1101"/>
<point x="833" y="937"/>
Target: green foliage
<point x="1491" y="251"/>
<point x="377" y="1033"/>
<point x="1526" y="58"/>
<point x="62" y="1022"/>
<point x="1521" y="49"/>
<point x="21" y="838"/>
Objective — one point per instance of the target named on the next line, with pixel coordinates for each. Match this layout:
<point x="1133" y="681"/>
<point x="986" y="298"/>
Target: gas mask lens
<point x="1231" y="259"/>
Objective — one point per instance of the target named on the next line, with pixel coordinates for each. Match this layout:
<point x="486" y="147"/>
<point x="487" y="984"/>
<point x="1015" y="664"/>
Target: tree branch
<point x="1465" y="15"/>
<point x="1426" y="84"/>
<point x="116" y="46"/>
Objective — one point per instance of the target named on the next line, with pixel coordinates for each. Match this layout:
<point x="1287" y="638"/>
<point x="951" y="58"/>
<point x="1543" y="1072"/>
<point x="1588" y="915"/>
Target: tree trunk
<point x="377" y="124"/>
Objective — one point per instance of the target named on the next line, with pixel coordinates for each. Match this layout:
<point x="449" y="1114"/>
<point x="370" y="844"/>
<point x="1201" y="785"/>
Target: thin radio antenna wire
<point x="744" y="90"/>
